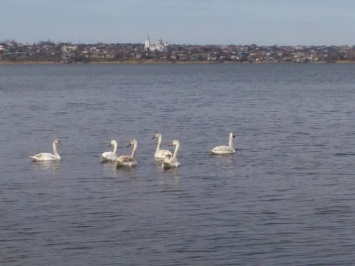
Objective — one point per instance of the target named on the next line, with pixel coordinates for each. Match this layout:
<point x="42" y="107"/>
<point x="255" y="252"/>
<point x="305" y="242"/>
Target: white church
<point x="157" y="46"/>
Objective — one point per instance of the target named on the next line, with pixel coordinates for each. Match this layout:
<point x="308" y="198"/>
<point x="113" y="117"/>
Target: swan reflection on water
<point x="110" y="169"/>
<point x="169" y="176"/>
<point x="47" y="165"/>
<point x="226" y="164"/>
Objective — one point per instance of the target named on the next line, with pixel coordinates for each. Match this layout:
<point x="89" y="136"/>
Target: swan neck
<point x="231" y="142"/>
<point x="176" y="150"/>
<point x="134" y="151"/>
<point x="114" y="148"/>
<point x="159" y="144"/>
<point x="55" y="152"/>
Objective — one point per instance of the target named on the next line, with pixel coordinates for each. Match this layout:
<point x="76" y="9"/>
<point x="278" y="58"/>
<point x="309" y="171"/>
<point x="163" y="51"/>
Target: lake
<point x="287" y="196"/>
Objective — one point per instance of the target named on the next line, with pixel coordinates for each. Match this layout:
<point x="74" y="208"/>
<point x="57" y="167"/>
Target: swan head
<point x="232" y="135"/>
<point x="174" y="143"/>
<point x="56" y="141"/>
<point x="112" y="143"/>
<point x="132" y="142"/>
<point x="156" y="135"/>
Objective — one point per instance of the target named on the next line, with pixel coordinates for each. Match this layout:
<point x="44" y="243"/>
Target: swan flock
<point x="166" y="157"/>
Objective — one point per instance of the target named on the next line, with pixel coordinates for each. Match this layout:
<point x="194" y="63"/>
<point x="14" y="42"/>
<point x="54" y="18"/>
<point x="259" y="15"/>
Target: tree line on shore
<point x="48" y="51"/>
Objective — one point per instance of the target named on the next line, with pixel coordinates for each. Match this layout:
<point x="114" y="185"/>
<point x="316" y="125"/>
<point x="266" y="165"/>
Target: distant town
<point x="162" y="52"/>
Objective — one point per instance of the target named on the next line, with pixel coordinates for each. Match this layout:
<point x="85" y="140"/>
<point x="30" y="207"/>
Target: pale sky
<point x="261" y="22"/>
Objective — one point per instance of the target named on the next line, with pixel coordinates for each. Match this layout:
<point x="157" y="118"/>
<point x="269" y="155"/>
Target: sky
<point x="224" y="22"/>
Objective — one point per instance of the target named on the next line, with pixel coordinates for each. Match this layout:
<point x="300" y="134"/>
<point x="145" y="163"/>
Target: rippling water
<point x="286" y="197"/>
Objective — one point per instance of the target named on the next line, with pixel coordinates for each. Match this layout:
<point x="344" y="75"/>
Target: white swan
<point x="45" y="156"/>
<point x="225" y="149"/>
<point x="171" y="161"/>
<point x="126" y="160"/>
<point x="160" y="154"/>
<point x="110" y="155"/>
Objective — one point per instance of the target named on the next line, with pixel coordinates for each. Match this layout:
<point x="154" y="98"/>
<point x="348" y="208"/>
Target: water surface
<point x="286" y="196"/>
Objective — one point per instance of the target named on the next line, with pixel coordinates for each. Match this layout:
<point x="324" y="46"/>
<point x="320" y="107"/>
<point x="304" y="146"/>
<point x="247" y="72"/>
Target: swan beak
<point x="233" y="136"/>
<point x="129" y="145"/>
<point x="59" y="142"/>
<point x="153" y="137"/>
<point x="109" y="145"/>
<point x="171" y="144"/>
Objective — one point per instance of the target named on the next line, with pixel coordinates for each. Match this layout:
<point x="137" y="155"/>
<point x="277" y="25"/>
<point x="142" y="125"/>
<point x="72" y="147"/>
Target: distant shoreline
<point x="152" y="61"/>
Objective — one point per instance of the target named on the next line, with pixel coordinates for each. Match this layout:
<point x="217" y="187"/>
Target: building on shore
<point x="159" y="45"/>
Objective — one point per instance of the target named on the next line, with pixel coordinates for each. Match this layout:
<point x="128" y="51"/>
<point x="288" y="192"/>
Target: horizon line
<point x="142" y="43"/>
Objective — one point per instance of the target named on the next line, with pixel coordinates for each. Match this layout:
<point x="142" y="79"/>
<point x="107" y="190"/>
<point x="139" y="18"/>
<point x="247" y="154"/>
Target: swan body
<point x="110" y="156"/>
<point x="171" y="160"/>
<point x="45" y="156"/>
<point x="159" y="153"/>
<point x="128" y="160"/>
<point x="225" y="149"/>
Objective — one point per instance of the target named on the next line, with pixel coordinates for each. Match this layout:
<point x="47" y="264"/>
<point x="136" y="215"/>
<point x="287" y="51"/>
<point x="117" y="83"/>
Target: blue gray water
<point x="286" y="197"/>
